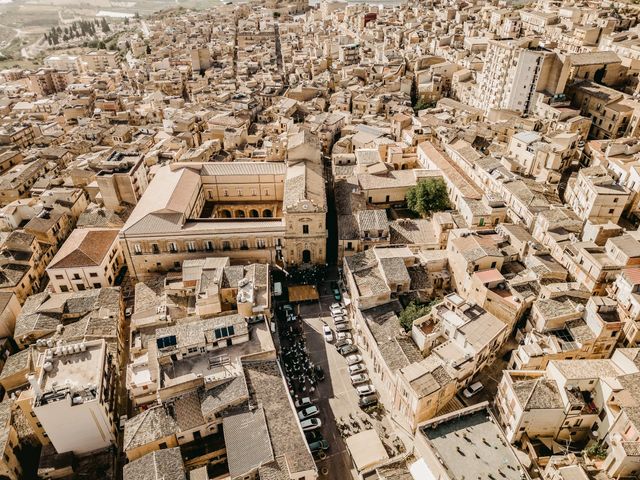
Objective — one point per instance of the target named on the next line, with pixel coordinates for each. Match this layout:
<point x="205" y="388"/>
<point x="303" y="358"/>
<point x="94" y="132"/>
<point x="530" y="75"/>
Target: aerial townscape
<point x="282" y="240"/>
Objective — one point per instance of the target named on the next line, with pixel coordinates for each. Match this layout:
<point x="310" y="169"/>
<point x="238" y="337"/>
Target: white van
<point x="277" y="289"/>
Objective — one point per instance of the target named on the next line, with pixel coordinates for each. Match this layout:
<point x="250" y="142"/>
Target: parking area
<point x="336" y="396"/>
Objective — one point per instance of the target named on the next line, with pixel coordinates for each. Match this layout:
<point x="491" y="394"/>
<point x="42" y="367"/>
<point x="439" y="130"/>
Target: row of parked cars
<point x="307" y="412"/>
<point x="344" y="344"/>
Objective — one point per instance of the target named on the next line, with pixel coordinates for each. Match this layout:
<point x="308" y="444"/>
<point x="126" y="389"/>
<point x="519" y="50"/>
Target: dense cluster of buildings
<point x="149" y="193"/>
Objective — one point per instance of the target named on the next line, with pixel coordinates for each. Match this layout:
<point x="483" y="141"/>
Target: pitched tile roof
<point x="85" y="248"/>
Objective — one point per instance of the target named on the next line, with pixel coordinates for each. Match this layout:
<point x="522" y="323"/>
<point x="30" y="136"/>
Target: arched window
<point x="239" y="214"/>
<point x="267" y="213"/>
<point x="254" y="213"/>
<point x="225" y="213"/>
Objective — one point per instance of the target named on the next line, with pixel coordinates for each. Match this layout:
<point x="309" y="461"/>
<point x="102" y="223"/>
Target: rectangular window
<point x="93" y="274"/>
<point x="208" y="245"/>
<point x="260" y="243"/>
<point x="191" y="246"/>
<point x="97" y="285"/>
<point x="59" y="277"/>
<point x="225" y="193"/>
<point x="155" y="248"/>
<point x="137" y="249"/>
<point x="64" y="288"/>
<point x="244" y="245"/>
<point x="305" y="229"/>
<point x="173" y="248"/>
<point x="226" y="245"/>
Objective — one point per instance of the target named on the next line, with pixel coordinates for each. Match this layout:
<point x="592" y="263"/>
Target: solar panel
<point x="169" y="341"/>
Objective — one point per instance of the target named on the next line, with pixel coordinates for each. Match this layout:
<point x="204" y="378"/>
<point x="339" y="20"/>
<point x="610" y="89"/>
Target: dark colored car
<point x="368" y="400"/>
<point x="313" y="436"/>
<point x="319" y="372"/>
<point x="348" y="350"/>
<point x="318" y="446"/>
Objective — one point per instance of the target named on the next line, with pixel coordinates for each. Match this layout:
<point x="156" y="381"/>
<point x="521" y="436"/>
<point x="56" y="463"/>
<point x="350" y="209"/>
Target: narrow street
<point x="334" y="396"/>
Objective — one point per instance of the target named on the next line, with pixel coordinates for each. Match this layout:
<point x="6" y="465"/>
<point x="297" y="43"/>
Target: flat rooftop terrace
<point x="472" y="446"/>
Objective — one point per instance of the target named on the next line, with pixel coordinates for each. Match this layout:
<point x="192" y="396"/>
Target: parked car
<point x="472" y="389"/>
<point x="288" y="309"/>
<point x="348" y="350"/>
<point x="353" y="359"/>
<point x="359" y="378"/>
<point x="328" y="334"/>
<point x="340" y="319"/>
<point x="311" y="411"/>
<point x="319" y="372"/>
<point x="277" y="289"/>
<point x="313" y="436"/>
<point x="342" y="343"/>
<point x="336" y="294"/>
<point x="367" y="389"/>
<point x="310" y="424"/>
<point x="357" y="368"/>
<point x="368" y="400"/>
<point x="303" y="402"/>
<point x="343" y="336"/>
<point x="343" y="327"/>
<point x="337" y="311"/>
<point x="318" y="446"/>
<point x="337" y="305"/>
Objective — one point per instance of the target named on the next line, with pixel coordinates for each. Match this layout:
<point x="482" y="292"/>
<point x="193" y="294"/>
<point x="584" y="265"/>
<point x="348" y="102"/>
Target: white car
<point x="310" y="424"/>
<point x="337" y="311"/>
<point x="328" y="334"/>
<point x="365" y="389"/>
<point x="336" y="305"/>
<point x="353" y="359"/>
<point x="343" y="336"/>
<point x="339" y="320"/>
<point x="357" y="368"/>
<point x="308" y="412"/>
<point x="359" y="378"/>
<point x="303" y="402"/>
<point x="472" y="389"/>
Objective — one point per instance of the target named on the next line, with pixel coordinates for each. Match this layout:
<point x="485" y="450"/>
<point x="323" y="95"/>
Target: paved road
<point x="490" y="376"/>
<point x="335" y="396"/>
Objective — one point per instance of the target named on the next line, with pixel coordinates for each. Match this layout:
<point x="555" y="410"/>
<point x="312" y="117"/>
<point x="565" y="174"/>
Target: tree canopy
<point x="413" y="311"/>
<point x="428" y="196"/>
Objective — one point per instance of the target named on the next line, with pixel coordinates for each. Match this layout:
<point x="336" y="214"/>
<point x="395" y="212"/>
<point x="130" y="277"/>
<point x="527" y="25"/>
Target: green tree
<point x="105" y="26"/>
<point x="414" y="311"/>
<point x="428" y="196"/>
<point x="421" y="104"/>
